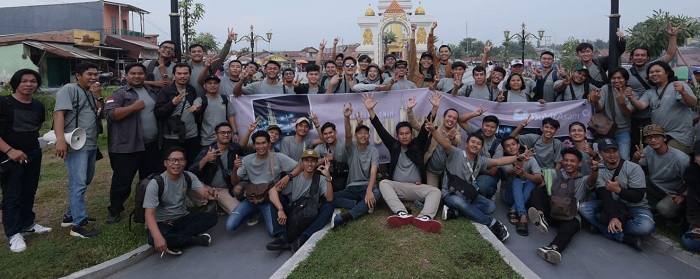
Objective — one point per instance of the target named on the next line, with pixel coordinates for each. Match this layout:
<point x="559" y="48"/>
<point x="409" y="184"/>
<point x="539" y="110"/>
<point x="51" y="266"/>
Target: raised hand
<point x="411" y="102"/>
<point x="237" y="163"/>
<point x="253" y="125"/>
<point x="435" y="99"/>
<point x="347" y="110"/>
<point x="429" y="126"/>
<point x="433" y="26"/>
<point x="479" y="111"/>
<point x="230" y="34"/>
<point x="639" y="153"/>
<point x="335" y="41"/>
<point x="620" y="96"/>
<point x="629" y="93"/>
<point x="561" y="72"/>
<point x="209" y="61"/>
<point x="620" y="34"/>
<point x="368" y="99"/>
<point x="678" y="86"/>
<point x="413" y="27"/>
<point x="314" y="118"/>
<point x="594" y="96"/>
<point x="359" y="118"/>
<point x="536" y="71"/>
<point x="527" y="120"/>
<point x="488" y="46"/>
<point x="322" y="45"/>
<point x="672" y="31"/>
<point x="325" y="168"/>
<point x="297" y="81"/>
<point x="500" y="97"/>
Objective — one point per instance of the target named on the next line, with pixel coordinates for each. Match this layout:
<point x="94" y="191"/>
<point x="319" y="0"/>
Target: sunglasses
<point x="348" y="65"/>
<point x="401" y="67"/>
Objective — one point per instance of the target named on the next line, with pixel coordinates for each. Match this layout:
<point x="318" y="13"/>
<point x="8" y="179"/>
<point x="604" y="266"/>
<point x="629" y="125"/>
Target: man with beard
<point x="158" y="71"/>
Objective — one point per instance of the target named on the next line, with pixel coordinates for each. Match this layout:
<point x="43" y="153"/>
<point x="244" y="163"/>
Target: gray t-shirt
<point x="149" y="125"/>
<point x="226" y="86"/>
<point x="548" y="93"/>
<point x="579" y="91"/>
<point x="528" y="85"/>
<point x="596" y="73"/>
<point x="585" y="163"/>
<point x="72" y="98"/>
<point x="258" y="172"/>
<point x="218" y="180"/>
<point x="488" y="142"/>
<point x="478" y="92"/>
<point x="445" y="84"/>
<point x="215" y="113"/>
<point x="529" y="166"/>
<point x="666" y="171"/>
<point x="581" y="184"/>
<point x="623" y="122"/>
<point x="262" y="87"/>
<point x="339" y="152"/>
<point x="669" y="110"/>
<point x="401" y="84"/>
<point x="631" y="177"/>
<point x="406" y="170"/>
<point x="156" y="72"/>
<point x="361" y="162"/>
<point x="459" y="165"/>
<point x="639" y="90"/>
<point x="294" y="149"/>
<point x="516" y="97"/>
<point x="436" y="162"/>
<point x="441" y="70"/>
<point x="196" y="71"/>
<point x="300" y="187"/>
<point x="174" y="194"/>
<point x="547" y="155"/>
<point x="187" y="117"/>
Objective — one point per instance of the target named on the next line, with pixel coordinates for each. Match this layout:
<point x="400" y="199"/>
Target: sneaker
<point x="538" y="220"/>
<point x="337" y="221"/>
<point x="113" y="218"/>
<point x="443" y="213"/>
<point x="500" y="231"/>
<point x="280" y="243"/>
<point x="85" y="230"/>
<point x="36" y="228"/>
<point x="174" y="251"/>
<point x="68" y="221"/>
<point x="550" y="254"/>
<point x="253" y="220"/>
<point x="370" y="210"/>
<point x="633" y="241"/>
<point x="296" y="244"/>
<point x="427" y="224"/>
<point x="203" y="239"/>
<point x="399" y="220"/>
<point x="17" y="243"/>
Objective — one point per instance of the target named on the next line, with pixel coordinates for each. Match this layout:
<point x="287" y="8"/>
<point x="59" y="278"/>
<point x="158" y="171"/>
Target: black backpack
<point x="139" y="213"/>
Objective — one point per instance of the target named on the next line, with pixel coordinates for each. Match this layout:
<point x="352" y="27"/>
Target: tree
<point x="568" y="52"/>
<point x="207" y="40"/>
<point x="387" y="39"/>
<point x="191" y="13"/>
<point x="648" y="33"/>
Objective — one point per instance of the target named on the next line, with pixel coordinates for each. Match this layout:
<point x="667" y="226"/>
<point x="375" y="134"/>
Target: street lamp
<point x="523" y="36"/>
<point x="252" y="38"/>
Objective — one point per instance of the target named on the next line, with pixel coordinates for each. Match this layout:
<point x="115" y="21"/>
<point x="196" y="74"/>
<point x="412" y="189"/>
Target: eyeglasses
<point x="224" y="133"/>
<point x="401" y="67"/>
<point x="176" y="160"/>
<point x="653" y="137"/>
<point x="348" y="65"/>
<point x="167" y="48"/>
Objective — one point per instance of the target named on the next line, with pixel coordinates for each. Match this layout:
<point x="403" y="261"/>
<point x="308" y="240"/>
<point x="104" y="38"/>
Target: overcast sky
<point x="297" y="24"/>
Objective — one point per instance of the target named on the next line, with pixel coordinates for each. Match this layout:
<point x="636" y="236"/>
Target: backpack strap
<point x="469" y="89"/>
<point x="635" y="73"/>
<point x="602" y="74"/>
<point x="161" y="187"/>
<point x="314" y="184"/>
<point x="149" y="70"/>
<point x="618" y="169"/>
<point x="494" y="146"/>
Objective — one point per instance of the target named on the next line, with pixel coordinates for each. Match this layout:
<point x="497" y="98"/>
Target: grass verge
<point x="368" y="248"/>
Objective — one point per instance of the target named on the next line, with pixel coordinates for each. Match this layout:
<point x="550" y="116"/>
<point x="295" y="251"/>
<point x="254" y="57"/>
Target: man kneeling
<point x="306" y="189"/>
<point x="170" y="226"/>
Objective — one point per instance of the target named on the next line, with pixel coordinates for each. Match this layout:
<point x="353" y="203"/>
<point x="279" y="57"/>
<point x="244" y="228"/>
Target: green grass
<point x="368" y="248"/>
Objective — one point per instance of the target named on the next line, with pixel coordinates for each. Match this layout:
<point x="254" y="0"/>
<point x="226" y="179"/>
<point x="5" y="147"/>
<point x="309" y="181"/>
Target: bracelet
<point x="280" y="209"/>
<point x="235" y="133"/>
<point x="8" y="150"/>
<point x="290" y="175"/>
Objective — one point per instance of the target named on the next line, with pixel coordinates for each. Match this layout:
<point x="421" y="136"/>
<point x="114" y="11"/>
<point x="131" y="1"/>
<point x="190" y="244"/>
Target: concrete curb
<point x="671" y="248"/>
<point x="508" y="256"/>
<point x="114" y="265"/>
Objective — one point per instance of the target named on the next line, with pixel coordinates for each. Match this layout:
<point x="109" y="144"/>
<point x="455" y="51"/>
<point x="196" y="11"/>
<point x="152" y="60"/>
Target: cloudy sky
<point x="297" y="24"/>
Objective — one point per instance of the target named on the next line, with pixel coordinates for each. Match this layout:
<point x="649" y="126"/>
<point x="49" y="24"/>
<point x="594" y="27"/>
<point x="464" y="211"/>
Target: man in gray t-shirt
<point x="295" y="145"/>
<point x="78" y="105"/>
<point x="666" y="166"/>
<point x="399" y="81"/>
<point x="217" y="110"/>
<point x="547" y="148"/>
<point x="170" y="226"/>
<point x="269" y="85"/>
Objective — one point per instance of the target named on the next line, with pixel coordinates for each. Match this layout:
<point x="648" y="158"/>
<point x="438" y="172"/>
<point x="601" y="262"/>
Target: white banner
<point x="284" y="110"/>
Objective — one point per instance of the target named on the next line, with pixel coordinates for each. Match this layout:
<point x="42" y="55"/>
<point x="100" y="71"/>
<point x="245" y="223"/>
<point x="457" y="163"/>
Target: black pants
<point x="191" y="146"/>
<point x="178" y="233"/>
<point x="567" y="229"/>
<point x="124" y="167"/>
<point x="19" y="184"/>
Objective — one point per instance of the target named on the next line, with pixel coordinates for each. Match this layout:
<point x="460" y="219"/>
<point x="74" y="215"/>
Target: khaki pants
<point x="433" y="179"/>
<point x="677" y="145"/>
<point x="224" y="199"/>
<point x="394" y="192"/>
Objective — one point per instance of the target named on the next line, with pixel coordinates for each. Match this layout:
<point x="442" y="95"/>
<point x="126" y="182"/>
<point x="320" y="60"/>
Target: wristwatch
<point x="329" y="179"/>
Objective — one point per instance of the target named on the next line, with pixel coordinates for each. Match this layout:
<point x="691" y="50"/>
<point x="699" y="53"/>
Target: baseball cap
<point x="273" y="126"/>
<point x="401" y="63"/>
<point x="653" y="129"/>
<point x="360" y="127"/>
<point x="302" y="119"/>
<point x="580" y="67"/>
<point x="516" y="62"/>
<point x="607" y="143"/>
<point x="212" y="77"/>
<point x="426" y="54"/>
<point x="309" y="153"/>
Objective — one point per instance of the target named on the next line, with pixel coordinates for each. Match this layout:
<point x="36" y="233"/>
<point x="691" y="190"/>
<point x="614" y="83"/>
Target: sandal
<point x="513" y="217"/>
<point x="521" y="228"/>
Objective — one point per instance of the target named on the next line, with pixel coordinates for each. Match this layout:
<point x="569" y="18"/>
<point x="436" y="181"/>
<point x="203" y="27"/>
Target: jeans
<point x="81" y="169"/>
<point x="641" y="223"/>
<point x="488" y="184"/>
<point x="178" y="233"/>
<point x="353" y="198"/>
<point x="324" y="217"/>
<point x="246" y="209"/>
<point x="478" y="210"/>
<point x="624" y="140"/>
<point x="19" y="184"/>
<point x="689" y="243"/>
<point x="517" y="194"/>
<point x="124" y="167"/>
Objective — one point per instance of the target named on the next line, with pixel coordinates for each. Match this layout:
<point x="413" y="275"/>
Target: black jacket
<point x="415" y="151"/>
<point x="692" y="201"/>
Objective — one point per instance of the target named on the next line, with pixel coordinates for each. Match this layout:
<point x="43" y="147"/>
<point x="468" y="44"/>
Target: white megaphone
<point x="76" y="138"/>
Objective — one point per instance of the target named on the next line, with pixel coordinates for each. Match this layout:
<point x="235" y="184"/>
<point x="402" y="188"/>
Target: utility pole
<point x="175" y="29"/>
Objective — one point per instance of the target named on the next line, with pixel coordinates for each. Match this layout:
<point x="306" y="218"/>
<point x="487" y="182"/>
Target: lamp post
<point x="523" y="36"/>
<point x="252" y="38"/>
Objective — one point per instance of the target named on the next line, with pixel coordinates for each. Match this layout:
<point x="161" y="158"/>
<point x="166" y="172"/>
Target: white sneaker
<point x="370" y="210"/>
<point x="17" y="243"/>
<point x="443" y="213"/>
<point x="36" y="228"/>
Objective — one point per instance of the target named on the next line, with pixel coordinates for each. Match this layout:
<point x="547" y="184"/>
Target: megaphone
<point x="75" y="139"/>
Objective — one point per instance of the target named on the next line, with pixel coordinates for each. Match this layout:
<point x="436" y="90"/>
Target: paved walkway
<point x="592" y="256"/>
<point x="232" y="255"/>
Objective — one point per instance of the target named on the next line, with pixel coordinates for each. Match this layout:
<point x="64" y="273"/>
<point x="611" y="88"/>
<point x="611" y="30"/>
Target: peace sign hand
<point x="347" y="110"/>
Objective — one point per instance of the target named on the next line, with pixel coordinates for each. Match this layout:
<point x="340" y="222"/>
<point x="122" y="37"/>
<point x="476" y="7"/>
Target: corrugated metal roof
<point x="141" y="44"/>
<point x="67" y="51"/>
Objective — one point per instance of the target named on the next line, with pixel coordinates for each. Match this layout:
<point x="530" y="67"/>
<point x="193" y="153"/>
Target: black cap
<point x="607" y="143"/>
<point x="360" y="127"/>
<point x="426" y="54"/>
<point x="212" y="77"/>
<point x="401" y="62"/>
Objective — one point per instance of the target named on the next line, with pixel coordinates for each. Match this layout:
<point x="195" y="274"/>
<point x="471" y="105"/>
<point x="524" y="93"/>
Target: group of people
<point x="182" y="114"/>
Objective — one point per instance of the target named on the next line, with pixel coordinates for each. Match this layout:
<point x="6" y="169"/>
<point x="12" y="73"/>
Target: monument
<point x="389" y="30"/>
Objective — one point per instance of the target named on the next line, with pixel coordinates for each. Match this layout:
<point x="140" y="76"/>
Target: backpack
<point x="496" y="142"/>
<point x="139" y="213"/>
<point x="304" y="211"/>
<point x="563" y="203"/>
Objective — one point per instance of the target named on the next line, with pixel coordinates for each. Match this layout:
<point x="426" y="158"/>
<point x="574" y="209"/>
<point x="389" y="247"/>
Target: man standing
<point x="170" y="226"/>
<point x="546" y="77"/>
<point x="214" y="108"/>
<point x="479" y="90"/>
<point x="399" y="81"/>
<point x="132" y="131"/>
<point x="576" y="87"/>
<point x="201" y="69"/>
<point x="598" y="67"/>
<point x="666" y="166"/>
<point x="270" y="85"/>
<point x="175" y="110"/>
<point x="622" y="213"/>
<point x="79" y="105"/>
<point x="22" y="117"/>
<point x="231" y="78"/>
<point x="158" y="71"/>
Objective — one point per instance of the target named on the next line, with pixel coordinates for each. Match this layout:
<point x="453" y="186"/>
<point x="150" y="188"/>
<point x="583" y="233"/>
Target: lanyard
<point x="469" y="166"/>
